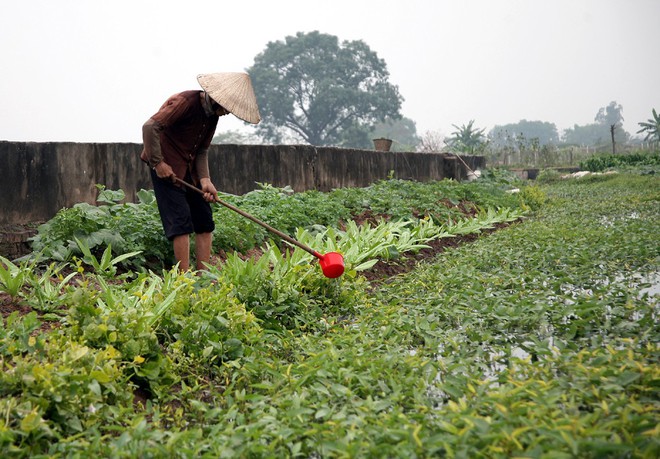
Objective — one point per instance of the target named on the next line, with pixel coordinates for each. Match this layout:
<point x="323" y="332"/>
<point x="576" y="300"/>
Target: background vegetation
<point x="316" y="90"/>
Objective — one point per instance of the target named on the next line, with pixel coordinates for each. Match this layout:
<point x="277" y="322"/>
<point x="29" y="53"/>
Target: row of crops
<point x="539" y="339"/>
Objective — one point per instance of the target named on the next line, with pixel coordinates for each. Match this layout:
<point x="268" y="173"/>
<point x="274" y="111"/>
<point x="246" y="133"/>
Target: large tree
<point x="599" y="133"/>
<point x="611" y="118"/>
<point x="236" y="137"/>
<point x="313" y="88"/>
<point x="403" y="133"/>
<point x="612" y="115"/>
<point x="543" y="132"/>
<point x="587" y="135"/>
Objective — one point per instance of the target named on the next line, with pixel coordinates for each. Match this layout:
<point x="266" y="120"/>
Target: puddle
<point x="608" y="222"/>
<point x="648" y="284"/>
<point x="492" y="362"/>
<point x="653" y="279"/>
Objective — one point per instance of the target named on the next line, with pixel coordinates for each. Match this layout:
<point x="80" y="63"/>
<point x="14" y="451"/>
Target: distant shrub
<point x="548" y="176"/>
<point x="532" y="197"/>
<point x="500" y="176"/>
<point x="604" y="162"/>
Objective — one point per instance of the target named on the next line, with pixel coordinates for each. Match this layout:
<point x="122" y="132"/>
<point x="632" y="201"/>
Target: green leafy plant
<point x="217" y="330"/>
<point x="548" y="176"/>
<point x="127" y="227"/>
<point x="47" y="290"/>
<point x="539" y="340"/>
<point x="12" y="277"/>
<point x="58" y="393"/>
<point x="604" y="162"/>
<point x="131" y="228"/>
<point x="18" y="334"/>
<point x="106" y="266"/>
<point x="532" y="197"/>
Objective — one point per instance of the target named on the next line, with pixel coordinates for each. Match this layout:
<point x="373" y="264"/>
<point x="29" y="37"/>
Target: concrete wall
<point x="38" y="179"/>
<point x="532" y="173"/>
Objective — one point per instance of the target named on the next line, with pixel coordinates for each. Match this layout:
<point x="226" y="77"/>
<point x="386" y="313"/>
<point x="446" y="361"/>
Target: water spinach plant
<point x="539" y="340"/>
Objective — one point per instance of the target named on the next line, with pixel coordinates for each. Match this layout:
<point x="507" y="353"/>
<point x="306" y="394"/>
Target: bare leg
<point x="182" y="251"/>
<point x="203" y="249"/>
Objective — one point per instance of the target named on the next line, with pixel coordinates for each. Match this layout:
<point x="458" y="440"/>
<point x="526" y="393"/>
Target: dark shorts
<point x="182" y="211"/>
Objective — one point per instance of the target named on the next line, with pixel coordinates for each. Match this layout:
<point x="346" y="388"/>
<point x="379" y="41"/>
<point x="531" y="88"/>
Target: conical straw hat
<point x="232" y="90"/>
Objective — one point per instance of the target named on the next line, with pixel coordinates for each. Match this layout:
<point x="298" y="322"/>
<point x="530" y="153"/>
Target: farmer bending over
<point x="176" y="141"/>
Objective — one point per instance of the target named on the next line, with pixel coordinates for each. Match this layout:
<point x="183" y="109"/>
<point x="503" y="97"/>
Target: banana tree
<point x="467" y="138"/>
<point x="651" y="127"/>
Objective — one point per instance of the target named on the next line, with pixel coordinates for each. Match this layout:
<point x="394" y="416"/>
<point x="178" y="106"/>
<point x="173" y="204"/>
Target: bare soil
<point x="385" y="270"/>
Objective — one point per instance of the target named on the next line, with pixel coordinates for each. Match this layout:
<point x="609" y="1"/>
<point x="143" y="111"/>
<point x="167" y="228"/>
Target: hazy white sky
<point x="94" y="71"/>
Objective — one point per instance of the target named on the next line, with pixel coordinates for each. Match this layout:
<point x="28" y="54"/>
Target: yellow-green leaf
<point x="31" y="422"/>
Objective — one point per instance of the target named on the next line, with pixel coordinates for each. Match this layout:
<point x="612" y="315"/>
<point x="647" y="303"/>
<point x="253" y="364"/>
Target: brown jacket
<point x="180" y="134"/>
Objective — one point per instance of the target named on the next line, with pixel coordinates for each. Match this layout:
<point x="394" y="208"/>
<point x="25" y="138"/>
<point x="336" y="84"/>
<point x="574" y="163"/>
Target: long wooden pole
<point x="279" y="233"/>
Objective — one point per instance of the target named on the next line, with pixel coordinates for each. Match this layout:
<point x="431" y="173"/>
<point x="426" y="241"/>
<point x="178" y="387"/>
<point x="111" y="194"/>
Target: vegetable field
<point x="470" y="322"/>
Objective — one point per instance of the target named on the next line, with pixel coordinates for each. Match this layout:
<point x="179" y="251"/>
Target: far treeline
<point x="314" y="89"/>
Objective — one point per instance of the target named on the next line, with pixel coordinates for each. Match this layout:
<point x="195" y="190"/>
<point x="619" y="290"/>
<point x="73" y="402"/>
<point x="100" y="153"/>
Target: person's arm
<point x="202" y="164"/>
<point x="173" y="109"/>
<point x="202" y="168"/>
<point x="151" y="138"/>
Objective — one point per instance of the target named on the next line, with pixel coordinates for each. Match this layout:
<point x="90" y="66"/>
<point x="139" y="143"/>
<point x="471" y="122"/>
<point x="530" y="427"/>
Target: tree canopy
<point x="589" y="134"/>
<point x="543" y="132"/>
<point x="598" y="133"/>
<point x="235" y="137"/>
<point x="612" y="115"/>
<point x="312" y="88"/>
<point x="403" y="131"/>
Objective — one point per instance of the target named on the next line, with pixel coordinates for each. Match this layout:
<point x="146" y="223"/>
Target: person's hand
<point x="164" y="171"/>
<point x="210" y="193"/>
